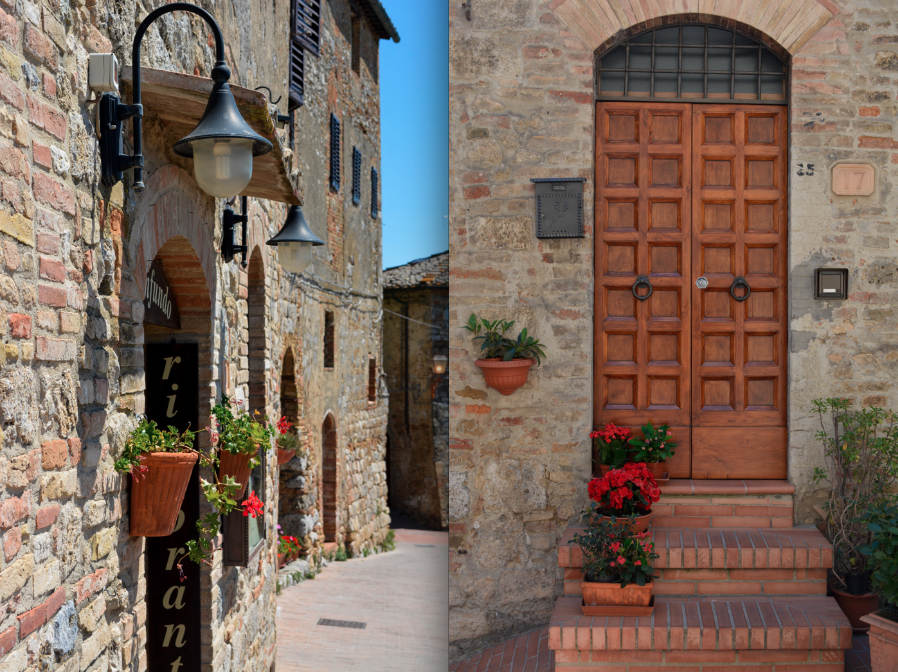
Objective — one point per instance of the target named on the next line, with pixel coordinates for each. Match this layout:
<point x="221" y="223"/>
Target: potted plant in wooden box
<point x="861" y="452"/>
<point x="882" y="554"/>
<point x="160" y="462"/>
<point x="505" y="361"/>
<point x="617" y="568"/>
<point x="287" y="442"/>
<point x="628" y="491"/>
<point x="240" y="436"/>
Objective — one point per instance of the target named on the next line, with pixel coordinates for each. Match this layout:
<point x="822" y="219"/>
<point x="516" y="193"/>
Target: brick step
<point x="704" y="631"/>
<point x="788" y="561"/>
<point x="726" y="504"/>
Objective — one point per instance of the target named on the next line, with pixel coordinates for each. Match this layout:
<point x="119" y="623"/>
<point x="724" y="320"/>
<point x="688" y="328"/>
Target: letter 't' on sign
<point x="160" y="305"/>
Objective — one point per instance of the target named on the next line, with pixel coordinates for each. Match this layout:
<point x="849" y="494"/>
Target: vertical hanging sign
<point x="173" y="604"/>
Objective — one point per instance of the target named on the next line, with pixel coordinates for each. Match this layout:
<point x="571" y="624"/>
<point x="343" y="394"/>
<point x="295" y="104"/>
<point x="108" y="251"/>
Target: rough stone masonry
<point x="522" y="106"/>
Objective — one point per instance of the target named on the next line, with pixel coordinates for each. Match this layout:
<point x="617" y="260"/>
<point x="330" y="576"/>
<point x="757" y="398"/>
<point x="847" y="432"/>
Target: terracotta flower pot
<point x="883" y="640"/>
<point x="611" y="594"/>
<point x="604" y="469"/>
<point x="156" y="499"/>
<point x="236" y="466"/>
<point x="282" y="561"/>
<point x="505" y="377"/>
<point x="657" y="469"/>
<point x="856" y="606"/>
<point x="285" y="456"/>
<point x="640" y="524"/>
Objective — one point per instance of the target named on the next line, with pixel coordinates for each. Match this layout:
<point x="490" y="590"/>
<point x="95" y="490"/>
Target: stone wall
<point x="72" y="376"/>
<point x="522" y="106"/>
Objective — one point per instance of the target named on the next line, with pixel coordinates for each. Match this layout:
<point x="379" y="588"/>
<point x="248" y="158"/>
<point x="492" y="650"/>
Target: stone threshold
<point x="689" y="486"/>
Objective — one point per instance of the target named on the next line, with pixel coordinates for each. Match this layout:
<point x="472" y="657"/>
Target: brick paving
<point x="401" y="596"/>
<point x="530" y="653"/>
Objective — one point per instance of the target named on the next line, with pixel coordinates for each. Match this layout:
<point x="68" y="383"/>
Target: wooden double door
<point x="691" y="281"/>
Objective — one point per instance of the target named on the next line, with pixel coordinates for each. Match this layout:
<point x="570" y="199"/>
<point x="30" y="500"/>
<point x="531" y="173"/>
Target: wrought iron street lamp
<point x="294" y="242"/>
<point x="222" y="145"/>
<point x="439" y="364"/>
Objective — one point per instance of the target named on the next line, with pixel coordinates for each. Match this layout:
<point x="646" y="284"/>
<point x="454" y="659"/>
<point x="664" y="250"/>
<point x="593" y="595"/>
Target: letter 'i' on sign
<point x="173" y="605"/>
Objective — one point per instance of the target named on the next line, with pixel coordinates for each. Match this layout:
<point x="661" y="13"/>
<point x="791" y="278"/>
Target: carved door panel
<point x="739" y="326"/>
<point x="687" y="191"/>
<point x="643" y="214"/>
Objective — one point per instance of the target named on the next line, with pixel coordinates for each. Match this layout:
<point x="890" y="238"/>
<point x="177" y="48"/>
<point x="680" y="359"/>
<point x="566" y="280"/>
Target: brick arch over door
<point x="257" y="338"/>
<point x="784" y="26"/>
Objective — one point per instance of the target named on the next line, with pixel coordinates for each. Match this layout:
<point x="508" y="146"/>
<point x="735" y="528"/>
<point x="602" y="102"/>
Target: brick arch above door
<point x="785" y="26"/>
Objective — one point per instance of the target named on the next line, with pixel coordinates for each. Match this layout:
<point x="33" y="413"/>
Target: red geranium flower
<point x="284" y="425"/>
<point x="253" y="506"/>
<point x="630" y="489"/>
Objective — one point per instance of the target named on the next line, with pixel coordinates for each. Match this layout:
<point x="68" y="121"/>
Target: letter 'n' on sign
<point x="159" y="302"/>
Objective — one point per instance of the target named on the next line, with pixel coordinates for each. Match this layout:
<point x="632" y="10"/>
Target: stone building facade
<point x="416" y="328"/>
<point x="523" y="105"/>
<point x="75" y="256"/>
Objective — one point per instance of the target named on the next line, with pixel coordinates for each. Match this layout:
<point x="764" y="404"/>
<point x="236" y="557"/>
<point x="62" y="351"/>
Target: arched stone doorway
<point x="329" y="488"/>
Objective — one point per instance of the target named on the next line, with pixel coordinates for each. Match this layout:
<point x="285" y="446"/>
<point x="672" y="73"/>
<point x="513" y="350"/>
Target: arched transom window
<point x="692" y="63"/>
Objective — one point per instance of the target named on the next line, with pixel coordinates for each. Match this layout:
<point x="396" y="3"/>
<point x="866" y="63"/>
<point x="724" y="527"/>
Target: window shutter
<point x="335" y="153"/>
<point x="297" y="74"/>
<point x="307" y="24"/>
<point x="374" y="193"/>
<point x="356" y="176"/>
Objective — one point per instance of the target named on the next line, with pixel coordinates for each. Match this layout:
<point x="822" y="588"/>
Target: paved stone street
<point x="401" y="596"/>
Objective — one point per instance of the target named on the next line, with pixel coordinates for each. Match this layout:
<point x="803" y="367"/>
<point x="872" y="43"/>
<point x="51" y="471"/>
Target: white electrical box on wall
<point x="102" y="73"/>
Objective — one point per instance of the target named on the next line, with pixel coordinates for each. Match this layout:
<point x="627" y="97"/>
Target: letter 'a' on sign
<point x="159" y="302"/>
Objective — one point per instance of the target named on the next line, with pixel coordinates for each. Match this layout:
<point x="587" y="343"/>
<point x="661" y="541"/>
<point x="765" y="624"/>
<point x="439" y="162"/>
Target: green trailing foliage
<point x="148" y="438"/>
<point x="495" y="344"/>
<point x="882" y="552"/>
<point x="241" y="433"/>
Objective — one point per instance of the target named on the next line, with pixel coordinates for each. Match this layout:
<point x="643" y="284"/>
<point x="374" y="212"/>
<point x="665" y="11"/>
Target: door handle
<point x="642" y="281"/>
<point x="740" y="281"/>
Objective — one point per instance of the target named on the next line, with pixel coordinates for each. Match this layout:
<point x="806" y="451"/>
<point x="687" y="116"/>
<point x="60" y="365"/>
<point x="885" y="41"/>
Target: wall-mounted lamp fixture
<point x="440" y="362"/>
<point x="230" y="219"/>
<point x="222" y="145"/>
<point x="294" y="242"/>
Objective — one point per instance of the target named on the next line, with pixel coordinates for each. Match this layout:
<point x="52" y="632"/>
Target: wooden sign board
<point x="853" y="179"/>
<point x="160" y="306"/>
<point x="173" y="600"/>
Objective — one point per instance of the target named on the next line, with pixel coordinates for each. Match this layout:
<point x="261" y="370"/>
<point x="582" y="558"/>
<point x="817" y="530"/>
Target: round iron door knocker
<point x="740" y="281"/>
<point x="642" y="281"/>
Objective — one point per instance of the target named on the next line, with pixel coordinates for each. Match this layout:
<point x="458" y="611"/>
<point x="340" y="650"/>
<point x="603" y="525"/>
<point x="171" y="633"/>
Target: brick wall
<point x="521" y="79"/>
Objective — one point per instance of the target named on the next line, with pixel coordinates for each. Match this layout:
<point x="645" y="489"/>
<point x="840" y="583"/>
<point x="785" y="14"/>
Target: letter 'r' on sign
<point x="853" y="179"/>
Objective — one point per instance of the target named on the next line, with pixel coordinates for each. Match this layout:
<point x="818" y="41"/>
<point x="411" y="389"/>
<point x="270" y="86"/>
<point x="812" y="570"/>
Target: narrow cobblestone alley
<point x="401" y="597"/>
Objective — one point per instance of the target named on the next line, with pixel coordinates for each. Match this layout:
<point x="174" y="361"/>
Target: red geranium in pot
<point x="610" y="447"/>
<point x="630" y="490"/>
<point x="287" y="443"/>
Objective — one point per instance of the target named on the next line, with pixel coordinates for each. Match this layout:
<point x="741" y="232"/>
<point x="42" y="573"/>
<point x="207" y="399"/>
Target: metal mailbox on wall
<point x="559" y="207"/>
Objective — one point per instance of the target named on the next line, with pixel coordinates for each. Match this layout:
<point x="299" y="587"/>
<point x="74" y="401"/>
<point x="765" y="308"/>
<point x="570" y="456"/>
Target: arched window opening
<point x="692" y="63"/>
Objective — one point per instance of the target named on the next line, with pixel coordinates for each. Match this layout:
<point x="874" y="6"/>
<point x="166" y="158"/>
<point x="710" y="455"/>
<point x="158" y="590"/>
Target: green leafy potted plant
<point x="505" y="361"/>
<point x="882" y="558"/>
<point x="287" y="442"/>
<point x="239" y="436"/>
<point x="617" y="567"/>
<point x="654" y="448"/>
<point x="160" y="462"/>
<point x="628" y="491"/>
<point x="861" y="452"/>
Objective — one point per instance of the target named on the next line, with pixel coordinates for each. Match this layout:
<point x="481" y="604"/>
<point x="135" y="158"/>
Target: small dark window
<point x="356" y="176"/>
<point x="372" y="380"/>
<point x="243" y="535"/>
<point x="335" y="153"/>
<point x="328" y="339"/>
<point x="307" y="24"/>
<point x="374" y="193"/>
<point x="692" y="63"/>
<point x="297" y="75"/>
<point x="356" y="40"/>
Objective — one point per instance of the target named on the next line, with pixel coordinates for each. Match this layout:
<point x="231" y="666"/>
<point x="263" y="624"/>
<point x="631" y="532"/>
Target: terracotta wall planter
<point x="505" y="377"/>
<point x="883" y="642"/>
<point x="156" y="499"/>
<point x="856" y="606"/>
<point x="285" y="456"/>
<point x="611" y="594"/>
<point x="236" y="466"/>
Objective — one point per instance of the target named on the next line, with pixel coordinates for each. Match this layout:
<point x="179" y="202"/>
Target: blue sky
<point x="414" y="102"/>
